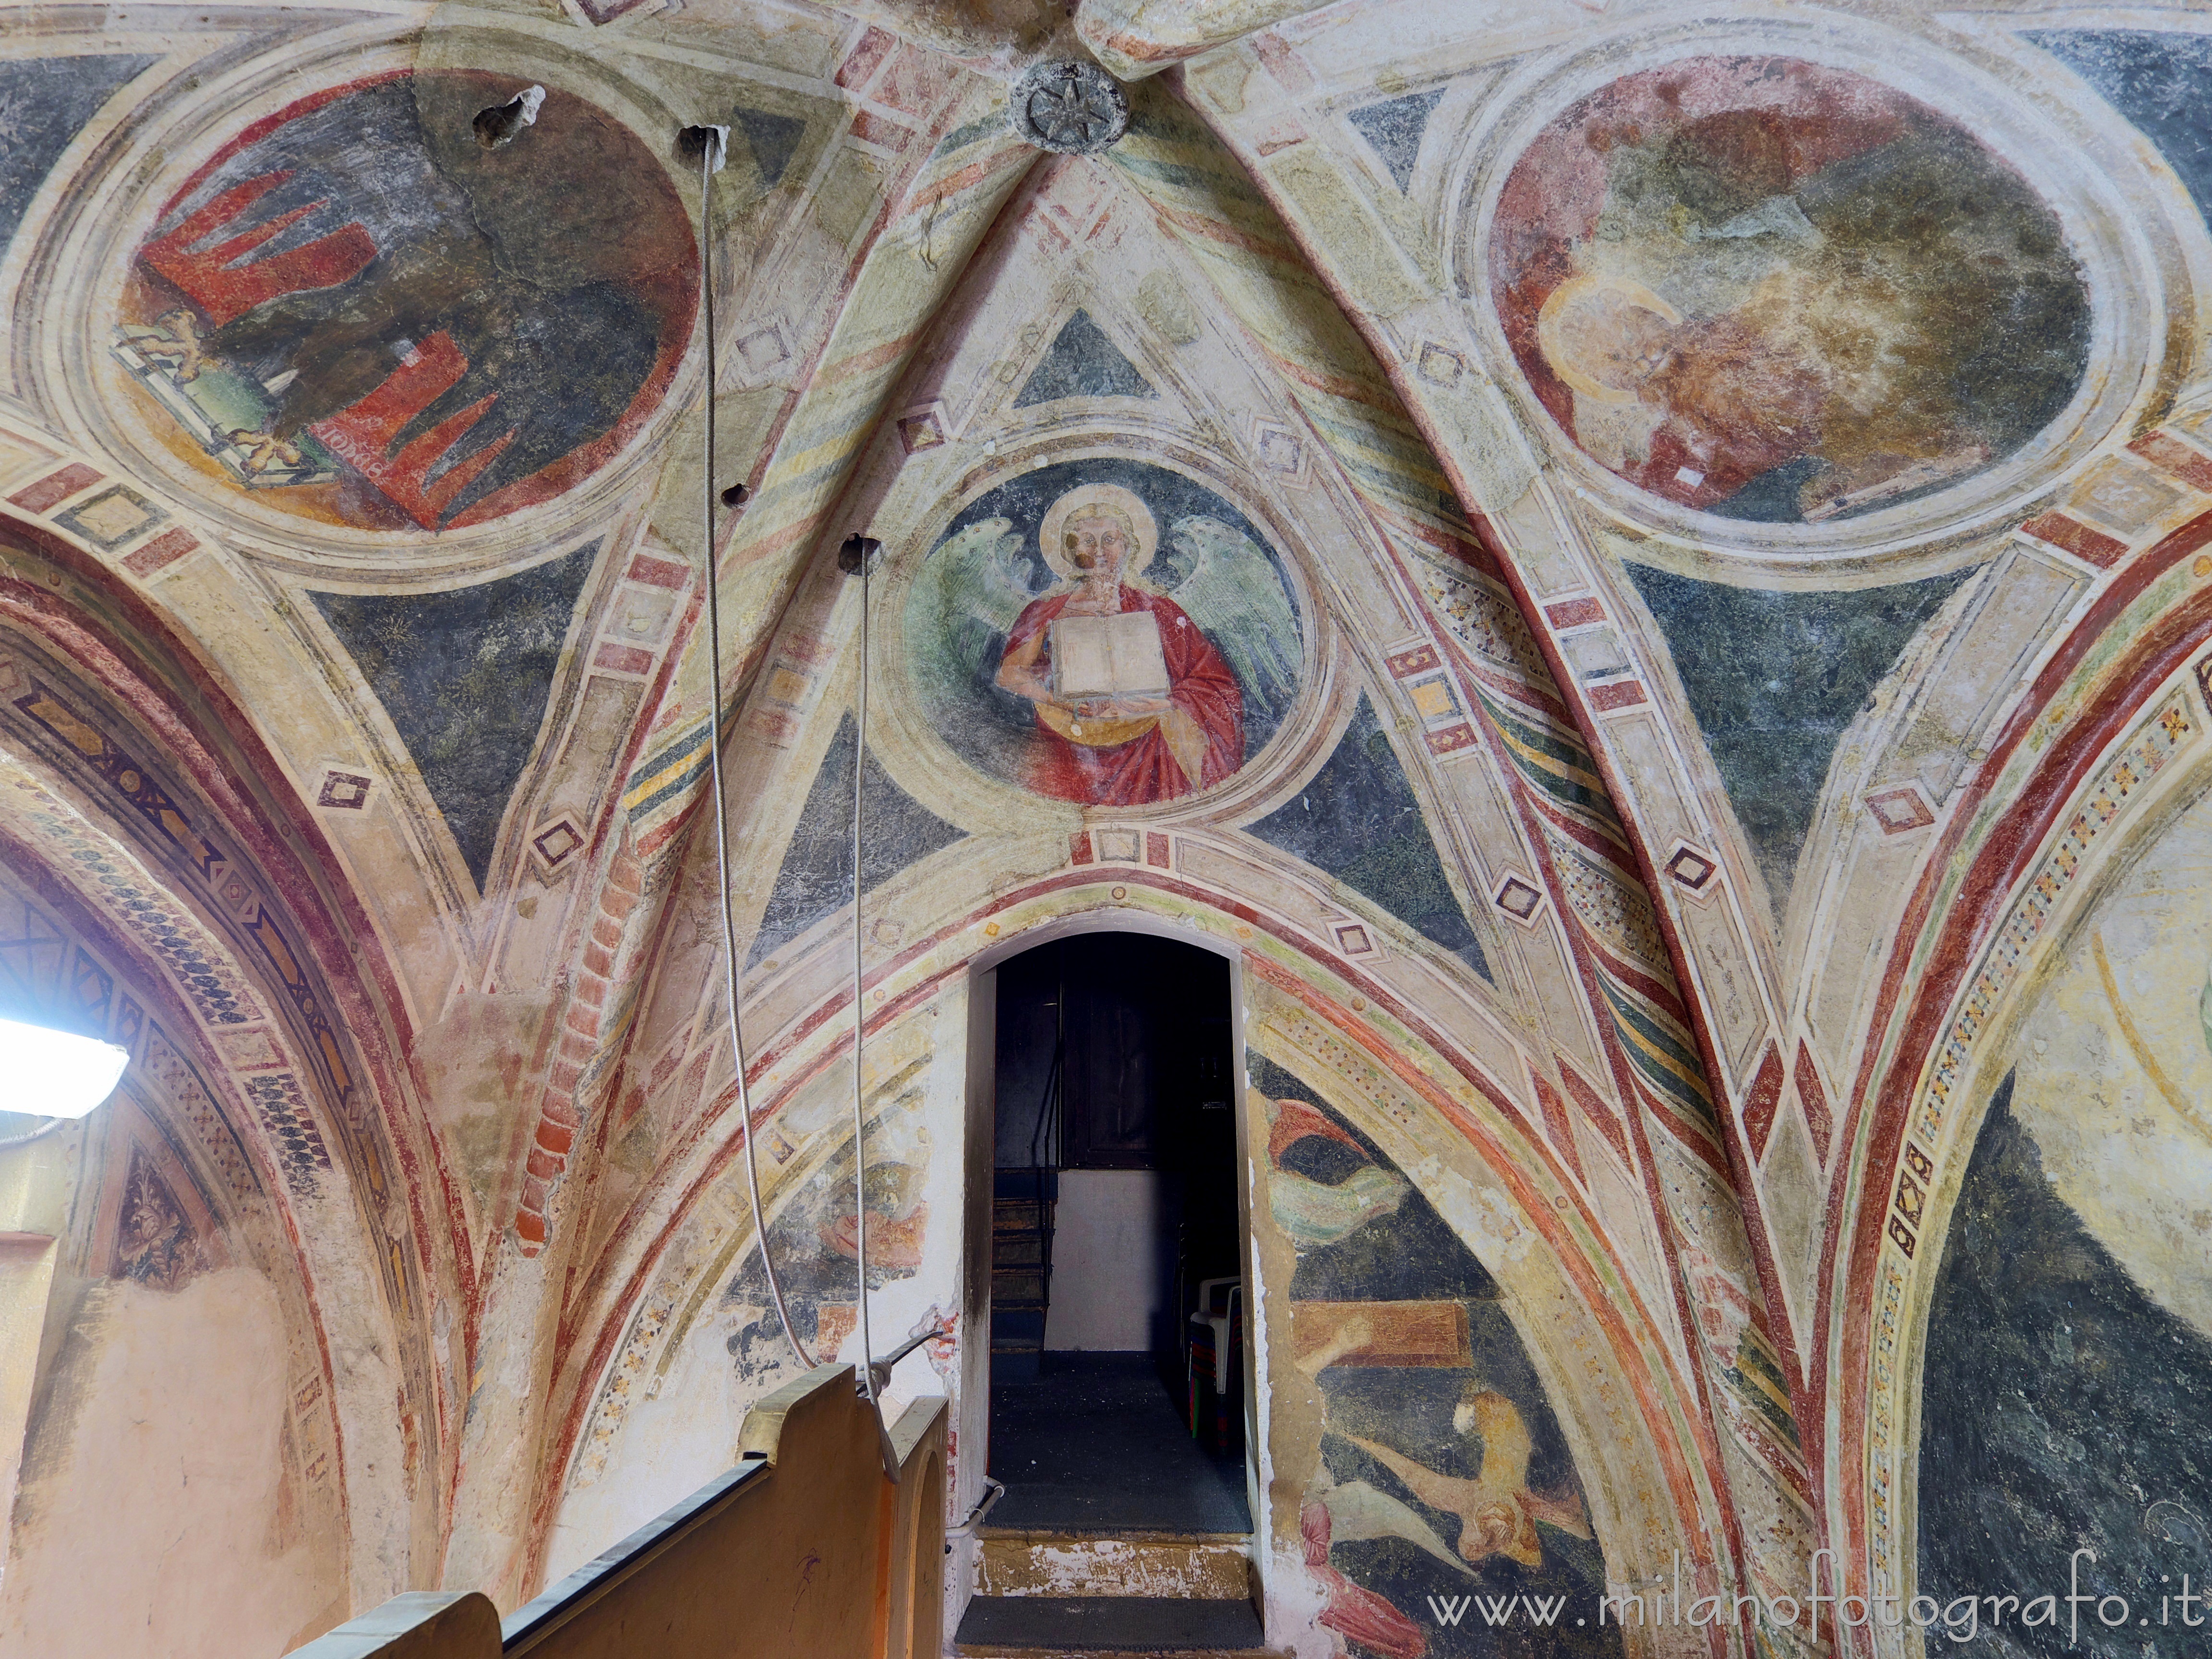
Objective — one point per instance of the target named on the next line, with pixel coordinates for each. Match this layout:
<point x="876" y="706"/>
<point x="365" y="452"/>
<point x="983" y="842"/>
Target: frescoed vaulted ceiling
<point x="1673" y="536"/>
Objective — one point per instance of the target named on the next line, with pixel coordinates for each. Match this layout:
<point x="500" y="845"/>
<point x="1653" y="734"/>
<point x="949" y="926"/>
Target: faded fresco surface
<point x="815" y="1251"/>
<point x="359" y="310"/>
<point x="1782" y="292"/>
<point x="815" y="878"/>
<point x="1090" y="540"/>
<point x="419" y="1208"/>
<point x="1441" y="1470"/>
<point x="1773" y="678"/>
<point x="43" y="103"/>
<point x="211" y="1407"/>
<point x="1359" y="820"/>
<point x="465" y="675"/>
<point x="2068" y="1394"/>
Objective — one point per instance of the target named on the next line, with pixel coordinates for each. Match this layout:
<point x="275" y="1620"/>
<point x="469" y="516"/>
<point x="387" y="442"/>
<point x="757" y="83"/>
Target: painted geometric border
<point x="2119" y="785"/>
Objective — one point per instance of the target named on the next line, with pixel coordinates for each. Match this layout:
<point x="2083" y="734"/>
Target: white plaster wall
<point x="1106" y="1288"/>
<point x="673" y="1443"/>
<point x="27" y="1270"/>
<point x="151" y="1516"/>
<point x="683" y="1423"/>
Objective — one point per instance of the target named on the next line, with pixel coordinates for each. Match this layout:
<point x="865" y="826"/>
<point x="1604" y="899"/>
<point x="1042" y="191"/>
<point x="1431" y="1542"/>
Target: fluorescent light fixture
<point x="49" y="1073"/>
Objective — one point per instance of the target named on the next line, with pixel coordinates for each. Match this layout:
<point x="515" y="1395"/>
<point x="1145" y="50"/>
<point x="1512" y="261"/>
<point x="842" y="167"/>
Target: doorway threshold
<point x="1041" y="1627"/>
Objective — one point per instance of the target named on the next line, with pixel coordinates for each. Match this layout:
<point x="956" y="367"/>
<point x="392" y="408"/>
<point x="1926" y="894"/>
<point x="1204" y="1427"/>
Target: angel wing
<point x="966" y="592"/>
<point x="1234" y="593"/>
<point x="1357" y="1510"/>
<point x="1313" y="1213"/>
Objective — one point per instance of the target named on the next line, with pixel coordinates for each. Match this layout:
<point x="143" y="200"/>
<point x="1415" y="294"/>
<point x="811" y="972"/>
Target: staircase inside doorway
<point x="1022" y="1205"/>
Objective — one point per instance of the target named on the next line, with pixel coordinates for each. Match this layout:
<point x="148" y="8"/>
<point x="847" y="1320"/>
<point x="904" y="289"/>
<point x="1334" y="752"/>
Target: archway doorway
<point x="1116" y="1257"/>
<point x="1116" y="1291"/>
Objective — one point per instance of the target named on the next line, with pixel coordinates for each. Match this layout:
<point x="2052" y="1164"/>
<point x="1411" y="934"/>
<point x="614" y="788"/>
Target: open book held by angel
<point x="1139" y="698"/>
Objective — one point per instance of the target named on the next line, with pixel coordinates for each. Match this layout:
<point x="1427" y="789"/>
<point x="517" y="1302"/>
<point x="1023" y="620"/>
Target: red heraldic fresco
<point x="364" y="314"/>
<point x="219" y="276"/>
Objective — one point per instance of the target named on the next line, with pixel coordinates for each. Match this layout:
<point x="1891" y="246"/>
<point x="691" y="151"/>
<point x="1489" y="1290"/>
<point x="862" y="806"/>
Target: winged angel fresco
<point x="1107" y="689"/>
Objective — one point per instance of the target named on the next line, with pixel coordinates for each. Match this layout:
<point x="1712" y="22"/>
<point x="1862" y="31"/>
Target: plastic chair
<point x="1211" y="1352"/>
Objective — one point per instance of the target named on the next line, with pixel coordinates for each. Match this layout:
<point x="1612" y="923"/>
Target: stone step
<point x="1019" y="1215"/>
<point x="1017" y="1329"/>
<point x="1196" y="1566"/>
<point x="1080" y="1627"/>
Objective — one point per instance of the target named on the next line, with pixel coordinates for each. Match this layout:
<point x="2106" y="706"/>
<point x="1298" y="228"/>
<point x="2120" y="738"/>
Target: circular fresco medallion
<point x="1104" y="632"/>
<point x="366" y="317"/>
<point x="1782" y="293"/>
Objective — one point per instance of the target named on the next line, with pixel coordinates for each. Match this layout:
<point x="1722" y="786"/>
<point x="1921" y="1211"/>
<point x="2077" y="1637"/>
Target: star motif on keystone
<point x="1072" y="108"/>
<point x="1066" y="116"/>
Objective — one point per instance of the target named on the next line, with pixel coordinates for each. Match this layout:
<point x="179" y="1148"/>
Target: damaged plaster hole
<point x="498" y="123"/>
<point x="706" y="143"/>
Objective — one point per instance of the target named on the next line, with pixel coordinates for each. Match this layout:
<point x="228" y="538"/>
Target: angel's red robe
<point x="1370" y="1620"/>
<point x="1200" y="685"/>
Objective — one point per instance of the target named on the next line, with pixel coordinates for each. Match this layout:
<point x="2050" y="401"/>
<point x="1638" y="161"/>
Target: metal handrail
<point x="880" y="1370"/>
<point x="983" y="1506"/>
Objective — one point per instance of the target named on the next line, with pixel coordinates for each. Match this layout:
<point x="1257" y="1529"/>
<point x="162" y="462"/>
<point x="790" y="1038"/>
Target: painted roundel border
<point x="2115" y="254"/>
<point x="919" y="754"/>
<point x="92" y="261"/>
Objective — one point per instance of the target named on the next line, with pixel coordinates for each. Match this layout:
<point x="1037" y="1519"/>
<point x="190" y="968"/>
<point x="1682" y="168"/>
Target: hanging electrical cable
<point x="856" y="556"/>
<point x="859" y="1013"/>
<point x="712" y="143"/>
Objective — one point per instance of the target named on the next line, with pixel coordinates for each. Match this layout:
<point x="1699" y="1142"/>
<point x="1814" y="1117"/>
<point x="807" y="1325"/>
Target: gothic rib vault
<point x="1679" y="542"/>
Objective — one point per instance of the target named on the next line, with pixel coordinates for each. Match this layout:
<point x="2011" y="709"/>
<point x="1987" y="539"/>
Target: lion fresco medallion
<point x="1104" y="632"/>
<point x="362" y="315"/>
<point x="1780" y="291"/>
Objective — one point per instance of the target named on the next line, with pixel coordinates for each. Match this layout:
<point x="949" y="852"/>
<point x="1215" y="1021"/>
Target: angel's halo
<point x="1143" y="529"/>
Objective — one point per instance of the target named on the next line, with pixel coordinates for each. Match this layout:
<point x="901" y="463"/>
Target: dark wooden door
<point x="1116" y="1031"/>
